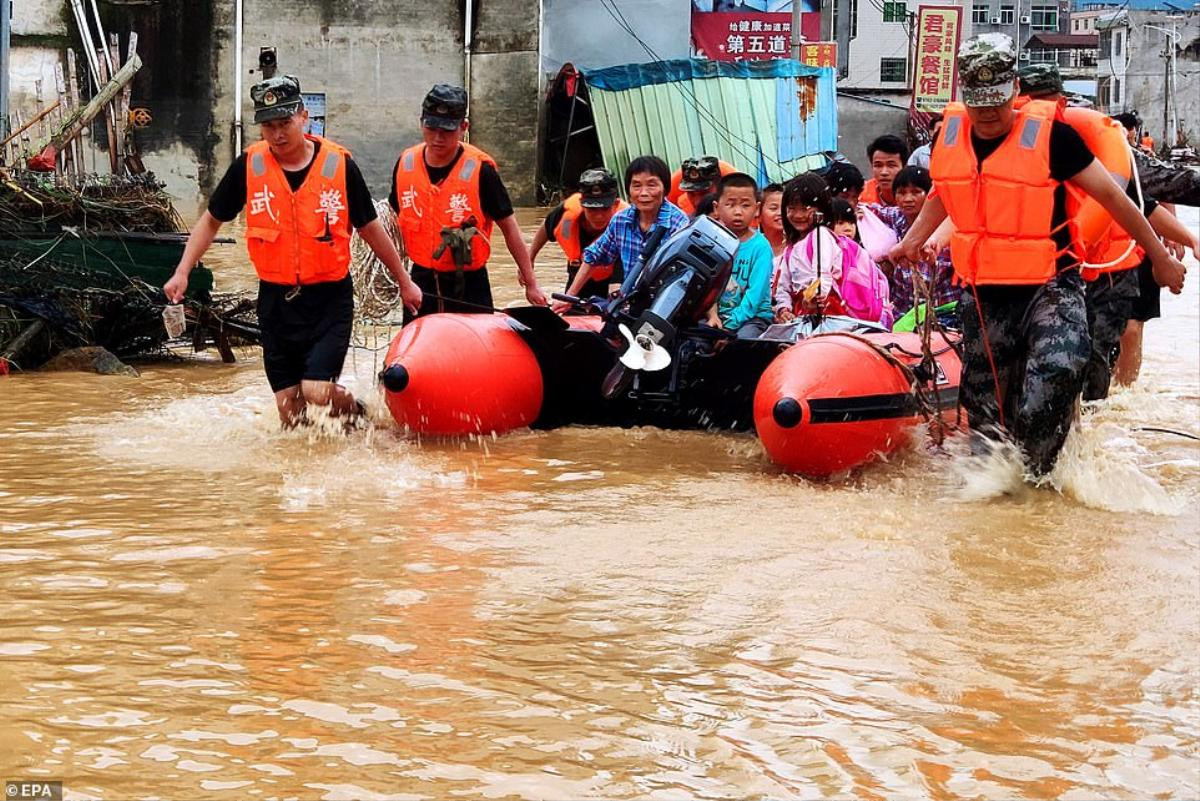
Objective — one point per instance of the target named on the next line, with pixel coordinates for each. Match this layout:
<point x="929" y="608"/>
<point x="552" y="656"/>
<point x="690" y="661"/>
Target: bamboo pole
<point x="41" y="115"/>
<point x="81" y="117"/>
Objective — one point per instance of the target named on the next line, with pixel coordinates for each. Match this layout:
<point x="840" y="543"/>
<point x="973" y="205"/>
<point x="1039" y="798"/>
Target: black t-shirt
<point x="493" y="195"/>
<point x="230" y="196"/>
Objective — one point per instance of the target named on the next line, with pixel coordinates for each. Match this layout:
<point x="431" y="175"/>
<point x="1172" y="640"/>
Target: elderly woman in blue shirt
<point x="647" y="179"/>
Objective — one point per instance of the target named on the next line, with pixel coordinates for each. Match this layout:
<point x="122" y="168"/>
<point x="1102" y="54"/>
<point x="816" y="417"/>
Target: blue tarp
<point x="771" y="119"/>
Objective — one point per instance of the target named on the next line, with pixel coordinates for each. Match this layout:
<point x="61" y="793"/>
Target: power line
<point x="689" y="94"/>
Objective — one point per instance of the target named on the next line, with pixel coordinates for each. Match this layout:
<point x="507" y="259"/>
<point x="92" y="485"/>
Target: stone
<point x="91" y="359"/>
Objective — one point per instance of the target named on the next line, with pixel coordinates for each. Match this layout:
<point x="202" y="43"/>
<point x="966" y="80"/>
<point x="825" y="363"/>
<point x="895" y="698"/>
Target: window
<point x="980" y="13"/>
<point x="1103" y="94"/>
<point x="893" y="70"/>
<point x="1074" y="24"/>
<point x="894" y="11"/>
<point x="1117" y="100"/>
<point x="853" y="19"/>
<point x="1044" y="18"/>
<point x="1119" y="44"/>
<point x="1106" y="43"/>
<point x="1008" y="15"/>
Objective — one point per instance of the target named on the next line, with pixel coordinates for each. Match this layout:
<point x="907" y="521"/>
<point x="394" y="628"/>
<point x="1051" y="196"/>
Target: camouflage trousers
<point x="1039" y="344"/>
<point x="1110" y="302"/>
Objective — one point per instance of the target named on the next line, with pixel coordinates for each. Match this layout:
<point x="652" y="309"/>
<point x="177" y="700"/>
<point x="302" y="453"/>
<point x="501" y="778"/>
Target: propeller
<point x="642" y="352"/>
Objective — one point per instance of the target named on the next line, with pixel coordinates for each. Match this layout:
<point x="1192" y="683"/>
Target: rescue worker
<point x="695" y="180"/>
<point x="576" y="223"/>
<point x="1000" y="175"/>
<point x="1113" y="285"/>
<point x="887" y="155"/>
<point x="447" y="196"/>
<point x="1169" y="184"/>
<point x="305" y="194"/>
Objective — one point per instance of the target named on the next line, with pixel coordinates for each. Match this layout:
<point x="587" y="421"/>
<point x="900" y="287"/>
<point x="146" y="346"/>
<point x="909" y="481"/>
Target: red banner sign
<point x="935" y="78"/>
<point x="819" y="54"/>
<point x="748" y="36"/>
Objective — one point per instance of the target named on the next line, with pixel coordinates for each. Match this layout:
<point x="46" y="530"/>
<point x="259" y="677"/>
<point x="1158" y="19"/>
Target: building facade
<point x="372" y="62"/>
<point x="1149" y="62"/>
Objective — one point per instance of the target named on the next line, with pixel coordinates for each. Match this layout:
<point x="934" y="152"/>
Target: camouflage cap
<point x="276" y="98"/>
<point x="699" y="174"/>
<point x="987" y="69"/>
<point x="598" y="189"/>
<point x="1040" y="80"/>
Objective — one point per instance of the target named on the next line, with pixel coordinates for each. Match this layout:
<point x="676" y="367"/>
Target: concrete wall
<point x="374" y="59"/>
<point x="860" y="121"/>
<point x="1145" y="75"/>
<point x="506" y="92"/>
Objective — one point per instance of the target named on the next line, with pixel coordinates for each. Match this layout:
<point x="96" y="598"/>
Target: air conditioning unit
<point x="1025" y="20"/>
<point x="995" y="20"/>
<point x="1024" y="55"/>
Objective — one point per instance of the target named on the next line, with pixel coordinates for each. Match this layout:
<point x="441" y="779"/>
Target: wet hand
<point x="412" y="297"/>
<point x="560" y="307"/>
<point x="1169" y="272"/>
<point x="784" y="316"/>
<point x="175" y="288"/>
<point x="535" y="296"/>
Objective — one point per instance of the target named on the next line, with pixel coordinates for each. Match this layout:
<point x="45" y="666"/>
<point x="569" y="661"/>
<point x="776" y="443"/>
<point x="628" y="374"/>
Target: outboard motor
<point x="673" y="290"/>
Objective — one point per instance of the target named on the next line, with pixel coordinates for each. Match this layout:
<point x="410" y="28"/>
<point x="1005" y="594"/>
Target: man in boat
<point x="887" y="155"/>
<point x="578" y="222"/>
<point x="1000" y="174"/>
<point x="1114" y="287"/>
<point x="447" y="196"/>
<point x="305" y="194"/>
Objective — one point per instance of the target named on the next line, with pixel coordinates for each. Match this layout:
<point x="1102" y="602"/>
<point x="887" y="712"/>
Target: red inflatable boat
<point x="844" y="393"/>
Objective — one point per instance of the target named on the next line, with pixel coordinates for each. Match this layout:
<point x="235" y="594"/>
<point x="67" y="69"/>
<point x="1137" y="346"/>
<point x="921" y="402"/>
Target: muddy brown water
<point x="196" y="605"/>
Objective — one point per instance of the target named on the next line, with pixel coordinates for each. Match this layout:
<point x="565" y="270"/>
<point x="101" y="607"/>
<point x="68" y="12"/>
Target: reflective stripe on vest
<point x="1002" y="208"/>
<point x="258" y="164"/>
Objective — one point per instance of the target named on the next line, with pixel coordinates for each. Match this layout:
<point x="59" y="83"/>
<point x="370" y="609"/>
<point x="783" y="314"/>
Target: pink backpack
<point x="863" y="286"/>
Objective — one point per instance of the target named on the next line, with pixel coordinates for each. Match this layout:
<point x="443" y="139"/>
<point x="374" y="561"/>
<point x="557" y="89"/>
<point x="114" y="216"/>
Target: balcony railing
<point x="1066" y="58"/>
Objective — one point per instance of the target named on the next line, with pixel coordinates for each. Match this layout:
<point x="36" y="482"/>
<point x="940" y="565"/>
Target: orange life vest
<point x="1105" y="243"/>
<point x="300" y="237"/>
<point x="870" y="192"/>
<point x="1003" y="210"/>
<point x="426" y="209"/>
<point x="568" y="235"/>
<point x="676" y="195"/>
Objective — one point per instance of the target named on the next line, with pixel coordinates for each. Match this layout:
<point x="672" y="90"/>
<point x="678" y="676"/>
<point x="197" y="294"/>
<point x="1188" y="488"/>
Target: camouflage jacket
<point x="1168" y="183"/>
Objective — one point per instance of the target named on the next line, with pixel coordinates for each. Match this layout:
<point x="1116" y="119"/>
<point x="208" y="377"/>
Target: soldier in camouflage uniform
<point x="1111" y="296"/>
<point x="1025" y="339"/>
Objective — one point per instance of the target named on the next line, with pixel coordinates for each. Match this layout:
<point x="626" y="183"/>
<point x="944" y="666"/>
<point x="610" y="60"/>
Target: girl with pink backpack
<point x="820" y="272"/>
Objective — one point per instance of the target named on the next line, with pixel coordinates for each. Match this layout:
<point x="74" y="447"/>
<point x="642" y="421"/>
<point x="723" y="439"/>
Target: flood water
<point x="197" y="605"/>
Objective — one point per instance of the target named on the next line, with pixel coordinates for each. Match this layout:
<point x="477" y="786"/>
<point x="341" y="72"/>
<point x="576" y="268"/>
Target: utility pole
<point x="5" y="27"/>
<point x="796" y="28"/>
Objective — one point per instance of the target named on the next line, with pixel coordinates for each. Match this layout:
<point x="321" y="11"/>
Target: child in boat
<point x="744" y="308"/>
<point x="845" y="220"/>
<point x="820" y="272"/>
<point x="770" y="217"/>
<point x="910" y="188"/>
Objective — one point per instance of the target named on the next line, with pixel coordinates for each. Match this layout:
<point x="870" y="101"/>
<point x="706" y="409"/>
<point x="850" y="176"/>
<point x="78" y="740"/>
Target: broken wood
<point x="20" y="341"/>
<point x="40" y="115"/>
<point x="82" y="117"/>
